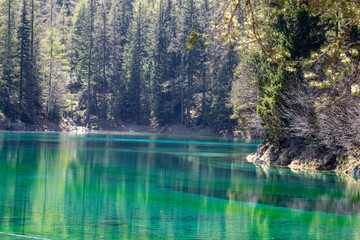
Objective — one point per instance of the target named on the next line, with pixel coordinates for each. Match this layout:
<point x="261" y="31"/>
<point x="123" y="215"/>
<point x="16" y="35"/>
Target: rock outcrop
<point x="292" y="154"/>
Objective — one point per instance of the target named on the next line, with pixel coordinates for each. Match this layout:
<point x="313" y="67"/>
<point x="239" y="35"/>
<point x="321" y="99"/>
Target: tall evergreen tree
<point x="120" y="18"/>
<point x="90" y="47"/>
<point x="134" y="69"/>
<point x="220" y="112"/>
<point x="159" y="92"/>
<point x="81" y="62"/>
<point x="191" y="58"/>
<point x="26" y="62"/>
<point x="8" y="63"/>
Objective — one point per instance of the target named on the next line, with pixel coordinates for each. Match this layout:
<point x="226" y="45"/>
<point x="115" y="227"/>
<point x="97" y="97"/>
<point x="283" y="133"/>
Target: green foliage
<point x="193" y="40"/>
<point x="220" y="110"/>
<point x="301" y="33"/>
<point x="298" y="34"/>
<point x="270" y="84"/>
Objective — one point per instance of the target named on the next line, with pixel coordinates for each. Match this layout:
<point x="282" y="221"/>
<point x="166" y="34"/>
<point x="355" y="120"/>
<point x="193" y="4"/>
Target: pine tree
<point x="25" y="56"/>
<point x="192" y="58"/>
<point x="100" y="61"/>
<point x="81" y="66"/>
<point x="105" y="59"/>
<point x="30" y="91"/>
<point x="134" y="69"/>
<point x="56" y="60"/>
<point x="8" y="53"/>
<point x="160" y="68"/>
<point x="220" y="111"/>
<point x="89" y="73"/>
<point x="120" y="17"/>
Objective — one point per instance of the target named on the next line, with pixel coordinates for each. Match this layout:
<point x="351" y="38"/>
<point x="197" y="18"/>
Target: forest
<point x="119" y="61"/>
<point x="288" y="67"/>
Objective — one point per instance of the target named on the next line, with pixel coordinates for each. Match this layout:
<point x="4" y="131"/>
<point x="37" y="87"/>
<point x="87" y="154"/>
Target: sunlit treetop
<point x="265" y="26"/>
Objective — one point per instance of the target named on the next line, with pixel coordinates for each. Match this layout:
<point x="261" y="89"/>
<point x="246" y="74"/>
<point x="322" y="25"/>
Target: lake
<point x="143" y="186"/>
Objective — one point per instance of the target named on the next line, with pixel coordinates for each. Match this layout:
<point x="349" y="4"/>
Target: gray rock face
<point x="293" y="154"/>
<point x="263" y="156"/>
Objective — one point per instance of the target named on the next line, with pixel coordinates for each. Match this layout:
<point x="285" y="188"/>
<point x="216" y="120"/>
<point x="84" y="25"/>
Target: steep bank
<point x="295" y="155"/>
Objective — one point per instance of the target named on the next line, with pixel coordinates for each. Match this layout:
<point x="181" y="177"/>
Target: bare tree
<point x="326" y="117"/>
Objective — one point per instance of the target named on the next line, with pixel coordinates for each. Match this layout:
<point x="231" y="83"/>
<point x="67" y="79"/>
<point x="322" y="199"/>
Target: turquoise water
<point x="134" y="186"/>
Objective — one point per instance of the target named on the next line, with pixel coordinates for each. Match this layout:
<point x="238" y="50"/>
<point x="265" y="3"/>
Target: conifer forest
<point x="121" y="60"/>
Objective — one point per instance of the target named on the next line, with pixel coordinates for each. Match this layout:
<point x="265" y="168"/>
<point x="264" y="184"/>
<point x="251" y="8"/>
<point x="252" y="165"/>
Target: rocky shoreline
<point x="294" y="156"/>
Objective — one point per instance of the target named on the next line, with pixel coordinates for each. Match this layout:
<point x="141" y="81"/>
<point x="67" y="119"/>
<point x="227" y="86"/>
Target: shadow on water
<point x="99" y="187"/>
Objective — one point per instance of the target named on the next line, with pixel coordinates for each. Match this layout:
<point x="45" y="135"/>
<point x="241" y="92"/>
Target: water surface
<point x="133" y="186"/>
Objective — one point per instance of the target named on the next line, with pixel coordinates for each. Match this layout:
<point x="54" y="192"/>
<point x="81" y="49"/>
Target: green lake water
<point x="132" y="186"/>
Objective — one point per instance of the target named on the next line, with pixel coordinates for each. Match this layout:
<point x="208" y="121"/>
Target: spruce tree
<point x="8" y="63"/>
<point x="120" y="18"/>
<point x="25" y="74"/>
<point x="220" y="111"/>
<point x="134" y="69"/>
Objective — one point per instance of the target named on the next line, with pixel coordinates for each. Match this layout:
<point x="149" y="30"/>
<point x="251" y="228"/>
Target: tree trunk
<point x="89" y="67"/>
<point x="51" y="59"/>
<point x="32" y="62"/>
<point x="22" y="55"/>
<point x="103" y="107"/>
<point x="32" y="31"/>
<point x="8" y="40"/>
<point x="182" y="86"/>
<point x="188" y="98"/>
